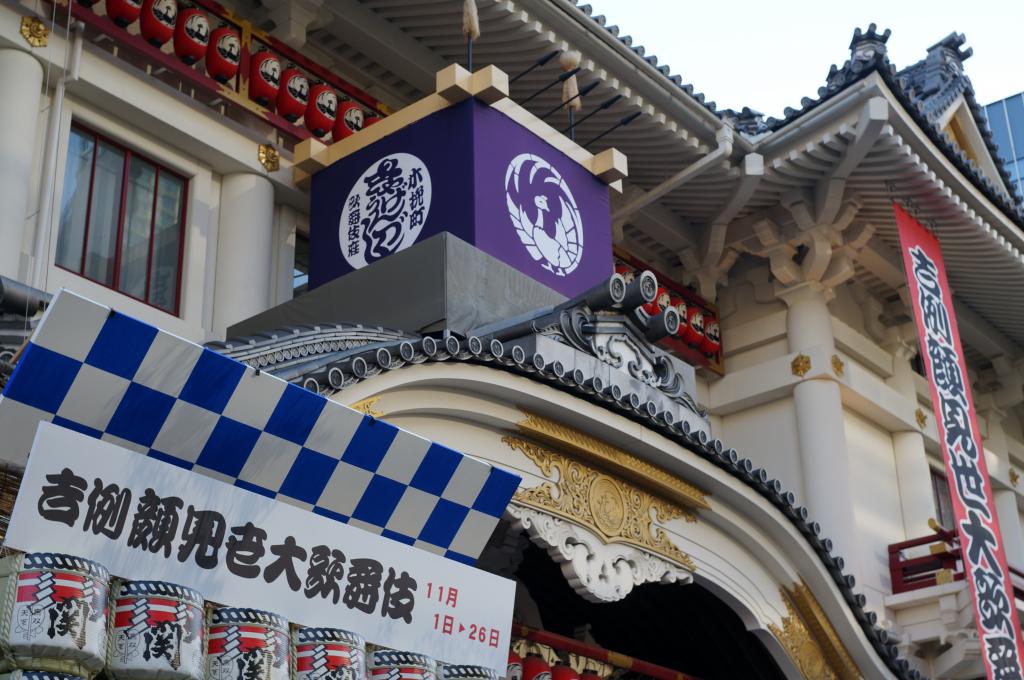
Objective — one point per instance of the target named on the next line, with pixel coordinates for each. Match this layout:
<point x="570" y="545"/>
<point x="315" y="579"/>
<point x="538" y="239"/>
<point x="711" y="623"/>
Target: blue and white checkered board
<point x="118" y="379"/>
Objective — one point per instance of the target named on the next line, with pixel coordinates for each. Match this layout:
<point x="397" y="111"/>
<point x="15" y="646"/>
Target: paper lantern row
<point x="63" y="618"/>
<point x="289" y="91"/>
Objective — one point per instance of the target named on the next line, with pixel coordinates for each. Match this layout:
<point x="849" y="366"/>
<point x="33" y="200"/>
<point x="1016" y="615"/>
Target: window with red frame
<point x="122" y="220"/>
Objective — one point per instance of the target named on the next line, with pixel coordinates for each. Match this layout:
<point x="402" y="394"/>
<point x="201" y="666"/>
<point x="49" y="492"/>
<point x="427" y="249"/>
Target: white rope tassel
<point x="470" y="20"/>
<point x="570" y="88"/>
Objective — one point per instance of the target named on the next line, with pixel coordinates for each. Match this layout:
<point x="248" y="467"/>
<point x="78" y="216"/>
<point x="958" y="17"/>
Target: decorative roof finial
<point x="866" y="45"/>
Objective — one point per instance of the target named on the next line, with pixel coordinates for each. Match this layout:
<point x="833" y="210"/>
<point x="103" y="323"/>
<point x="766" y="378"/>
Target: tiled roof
<point x="337" y="370"/>
<point x="651" y="59"/>
<point x="925" y="89"/>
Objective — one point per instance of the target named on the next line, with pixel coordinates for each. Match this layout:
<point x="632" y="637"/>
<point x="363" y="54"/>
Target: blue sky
<point x="769" y="54"/>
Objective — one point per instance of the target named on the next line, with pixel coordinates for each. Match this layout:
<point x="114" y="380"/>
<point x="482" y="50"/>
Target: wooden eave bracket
<point x="454" y="84"/>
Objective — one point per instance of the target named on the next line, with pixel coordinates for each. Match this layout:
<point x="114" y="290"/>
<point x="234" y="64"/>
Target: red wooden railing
<point x="129" y="46"/>
<point x="573" y="646"/>
<point x="940" y="565"/>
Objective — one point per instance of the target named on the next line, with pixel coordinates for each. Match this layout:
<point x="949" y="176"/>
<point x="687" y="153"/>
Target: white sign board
<point x="146" y="519"/>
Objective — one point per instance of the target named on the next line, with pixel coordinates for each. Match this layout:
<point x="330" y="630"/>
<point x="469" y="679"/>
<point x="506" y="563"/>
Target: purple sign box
<point x="471" y="171"/>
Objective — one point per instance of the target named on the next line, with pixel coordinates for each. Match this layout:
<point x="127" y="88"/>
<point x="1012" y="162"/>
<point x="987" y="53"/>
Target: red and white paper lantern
<point x="223" y="54"/>
<point x="370" y="120"/>
<point x="124" y="12"/>
<point x="383" y="663"/>
<point x="329" y="653"/>
<point x="560" y="671"/>
<point x="191" y="35"/>
<point x="321" y="109"/>
<point x="693" y="335"/>
<point x="157" y="21"/>
<point x="349" y="120"/>
<point x="247" y="643"/>
<point x="56" y="613"/>
<point x="712" y="341"/>
<point x="157" y="633"/>
<point x="293" y="95"/>
<point x="264" y="77"/>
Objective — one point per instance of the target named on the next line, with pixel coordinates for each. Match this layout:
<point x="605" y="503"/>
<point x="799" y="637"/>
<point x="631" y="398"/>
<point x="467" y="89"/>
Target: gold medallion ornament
<point x="1014" y="477"/>
<point x="269" y="158"/>
<point x="838" y="367"/>
<point x="800" y="365"/>
<point x="34" y="31"/>
<point x="922" y="419"/>
<point x="810" y="639"/>
<point x="607" y="506"/>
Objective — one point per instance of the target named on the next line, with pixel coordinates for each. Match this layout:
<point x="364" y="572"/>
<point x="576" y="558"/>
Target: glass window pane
<point x="1015" y="114"/>
<point x="163" y="282"/>
<point x="74" y="200"/>
<point x="104" y="213"/>
<point x="1000" y="135"/>
<point x="138" y="218"/>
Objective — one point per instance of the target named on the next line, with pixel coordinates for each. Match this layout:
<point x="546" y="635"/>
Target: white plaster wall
<point x="766" y="434"/>
<point x="877" y="512"/>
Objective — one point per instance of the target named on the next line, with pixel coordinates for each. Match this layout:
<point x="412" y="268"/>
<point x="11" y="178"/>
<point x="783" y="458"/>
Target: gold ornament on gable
<point x="617" y="511"/>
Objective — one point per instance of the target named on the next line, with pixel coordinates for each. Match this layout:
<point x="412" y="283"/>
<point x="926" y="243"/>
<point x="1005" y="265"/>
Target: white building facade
<point x="129" y="183"/>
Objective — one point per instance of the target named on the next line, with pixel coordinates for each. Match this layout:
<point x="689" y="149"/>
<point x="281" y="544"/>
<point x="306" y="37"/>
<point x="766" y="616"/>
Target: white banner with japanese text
<point x="146" y="519"/>
<point x="981" y="543"/>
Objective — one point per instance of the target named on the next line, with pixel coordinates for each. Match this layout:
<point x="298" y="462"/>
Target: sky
<point x="768" y="54"/>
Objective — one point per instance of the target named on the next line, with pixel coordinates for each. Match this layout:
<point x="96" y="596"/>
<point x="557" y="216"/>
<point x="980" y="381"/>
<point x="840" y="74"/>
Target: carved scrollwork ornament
<point x="597" y="571"/>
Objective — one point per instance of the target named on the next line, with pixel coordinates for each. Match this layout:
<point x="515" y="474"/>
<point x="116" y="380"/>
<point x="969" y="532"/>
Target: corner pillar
<point x="245" y="249"/>
<point x="913" y="474"/>
<point x="821" y="429"/>
<point x="22" y="76"/>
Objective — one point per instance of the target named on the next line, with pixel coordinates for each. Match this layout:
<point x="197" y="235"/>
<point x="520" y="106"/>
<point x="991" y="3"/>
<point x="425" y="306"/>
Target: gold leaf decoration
<point x="822" y="632"/>
<point x="269" y="158"/>
<point x="838" y="367"/>
<point x="367" y="406"/>
<point x="615" y="510"/>
<point x="35" y="32"/>
<point x="801" y="647"/>
<point x="614" y="460"/>
<point x="922" y="419"/>
<point x="800" y="365"/>
<point x="1014" y="477"/>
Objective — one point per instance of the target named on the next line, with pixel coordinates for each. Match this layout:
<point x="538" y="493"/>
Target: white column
<point x="22" y="78"/>
<point x="284" y="256"/>
<point x="245" y="249"/>
<point x="912" y="470"/>
<point x="1009" y="526"/>
<point x="820" y="427"/>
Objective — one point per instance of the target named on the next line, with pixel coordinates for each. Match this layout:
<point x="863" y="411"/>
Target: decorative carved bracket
<point x="606" y="534"/>
<point x="597" y="571"/>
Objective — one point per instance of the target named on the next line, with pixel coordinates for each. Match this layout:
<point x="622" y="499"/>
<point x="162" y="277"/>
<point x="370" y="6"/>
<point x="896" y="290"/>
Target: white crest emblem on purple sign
<point x="385" y="210"/>
<point x="544" y="213"/>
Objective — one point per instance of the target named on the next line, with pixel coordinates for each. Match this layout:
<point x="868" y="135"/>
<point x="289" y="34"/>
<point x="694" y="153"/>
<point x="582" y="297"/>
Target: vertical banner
<point x="977" y="526"/>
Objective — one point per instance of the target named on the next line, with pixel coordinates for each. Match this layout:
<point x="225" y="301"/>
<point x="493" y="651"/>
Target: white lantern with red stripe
<point x="391" y="664"/>
<point x="247" y="643"/>
<point x="55" y="613"/>
<point x="322" y="653"/>
<point x="157" y="632"/>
